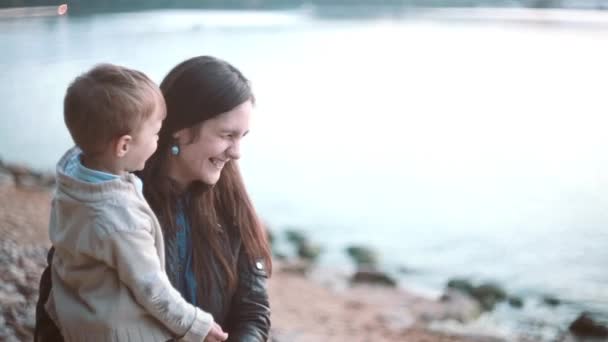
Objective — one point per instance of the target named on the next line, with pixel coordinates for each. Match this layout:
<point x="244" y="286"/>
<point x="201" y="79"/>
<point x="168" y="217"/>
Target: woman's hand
<point x="216" y="334"/>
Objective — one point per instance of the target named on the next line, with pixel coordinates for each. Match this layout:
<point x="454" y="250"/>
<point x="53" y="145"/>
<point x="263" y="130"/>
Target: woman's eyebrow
<point x="234" y="132"/>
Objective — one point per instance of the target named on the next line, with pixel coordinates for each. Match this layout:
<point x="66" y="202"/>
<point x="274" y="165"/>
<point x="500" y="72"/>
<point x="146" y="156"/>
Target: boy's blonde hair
<point x="108" y="102"/>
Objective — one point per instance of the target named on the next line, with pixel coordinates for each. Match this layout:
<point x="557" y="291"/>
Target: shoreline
<point x="308" y="304"/>
<point x="302" y="308"/>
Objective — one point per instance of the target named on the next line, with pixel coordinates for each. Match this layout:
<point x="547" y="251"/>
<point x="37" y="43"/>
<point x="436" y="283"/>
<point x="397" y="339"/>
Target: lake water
<point x="456" y="147"/>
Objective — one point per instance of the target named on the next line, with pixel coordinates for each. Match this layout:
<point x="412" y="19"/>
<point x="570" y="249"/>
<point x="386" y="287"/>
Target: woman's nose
<point x="234" y="151"/>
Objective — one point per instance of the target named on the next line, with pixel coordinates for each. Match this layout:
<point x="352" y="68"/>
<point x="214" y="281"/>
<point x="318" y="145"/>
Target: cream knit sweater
<point x="108" y="272"/>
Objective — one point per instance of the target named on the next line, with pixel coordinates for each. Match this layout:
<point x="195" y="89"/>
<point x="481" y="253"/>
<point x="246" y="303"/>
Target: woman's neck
<point x="177" y="177"/>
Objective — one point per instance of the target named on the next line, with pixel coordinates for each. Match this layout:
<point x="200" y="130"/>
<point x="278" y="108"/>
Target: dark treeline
<point x="113" y="5"/>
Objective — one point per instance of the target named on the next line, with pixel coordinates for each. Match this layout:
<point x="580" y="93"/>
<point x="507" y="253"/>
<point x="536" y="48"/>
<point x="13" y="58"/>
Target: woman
<point x="216" y="249"/>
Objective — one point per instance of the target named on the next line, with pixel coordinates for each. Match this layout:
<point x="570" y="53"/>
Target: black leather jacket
<point x="246" y="318"/>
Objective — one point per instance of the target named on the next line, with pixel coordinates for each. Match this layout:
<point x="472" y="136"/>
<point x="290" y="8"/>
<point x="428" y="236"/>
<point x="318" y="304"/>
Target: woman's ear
<point x="121" y="146"/>
<point x="181" y="136"/>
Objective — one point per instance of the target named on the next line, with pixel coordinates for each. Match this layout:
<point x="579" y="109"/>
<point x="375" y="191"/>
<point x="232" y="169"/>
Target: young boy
<point x="108" y="276"/>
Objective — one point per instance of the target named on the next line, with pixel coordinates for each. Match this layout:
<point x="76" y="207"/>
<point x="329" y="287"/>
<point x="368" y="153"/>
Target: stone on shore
<point x="363" y="256"/>
<point x="586" y="326"/>
<point x="487" y="294"/>
<point x="305" y="248"/>
<point x="372" y="277"/>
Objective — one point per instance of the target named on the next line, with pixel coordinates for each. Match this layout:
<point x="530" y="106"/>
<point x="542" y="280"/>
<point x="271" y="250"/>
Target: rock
<point x="586" y="326"/>
<point x="462" y="285"/>
<point x="8" y="299"/>
<point x="281" y="335"/>
<point x="309" y="251"/>
<point x="296" y="237"/>
<point x="374" y="277"/>
<point x="21" y="321"/>
<point x="23" y="176"/>
<point x="396" y="321"/>
<point x="276" y="253"/>
<point x="29" y="317"/>
<point x="516" y="302"/>
<point x="6" y="333"/>
<point x="551" y="301"/>
<point x="459" y="306"/>
<point x="15" y="274"/>
<point x="28" y="290"/>
<point x="305" y="249"/>
<point x="47" y="180"/>
<point x="299" y="267"/>
<point x="406" y="270"/>
<point x="20" y="269"/>
<point x="6" y="179"/>
<point x="363" y="256"/>
<point x="355" y="305"/>
<point x="279" y="256"/>
<point x="17" y="170"/>
<point x="489" y="295"/>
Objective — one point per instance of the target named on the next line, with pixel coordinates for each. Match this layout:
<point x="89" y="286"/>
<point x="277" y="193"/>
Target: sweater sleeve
<point x="133" y="255"/>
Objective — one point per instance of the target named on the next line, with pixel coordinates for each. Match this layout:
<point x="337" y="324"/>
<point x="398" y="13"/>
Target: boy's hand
<point x="216" y="334"/>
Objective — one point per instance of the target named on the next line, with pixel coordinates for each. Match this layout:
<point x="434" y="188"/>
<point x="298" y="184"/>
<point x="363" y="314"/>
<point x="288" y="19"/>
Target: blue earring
<point x="174" y="150"/>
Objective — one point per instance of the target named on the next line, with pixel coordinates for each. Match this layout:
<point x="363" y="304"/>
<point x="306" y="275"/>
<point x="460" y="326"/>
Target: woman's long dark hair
<point x="197" y="90"/>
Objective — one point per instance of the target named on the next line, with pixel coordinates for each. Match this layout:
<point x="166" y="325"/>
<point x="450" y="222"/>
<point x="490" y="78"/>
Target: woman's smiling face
<point x="217" y="141"/>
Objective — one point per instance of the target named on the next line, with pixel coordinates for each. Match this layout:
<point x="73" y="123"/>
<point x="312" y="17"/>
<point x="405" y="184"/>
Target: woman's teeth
<point x="219" y="164"/>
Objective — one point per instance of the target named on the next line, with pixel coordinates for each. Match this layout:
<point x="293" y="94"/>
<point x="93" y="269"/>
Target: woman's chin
<point x="210" y="178"/>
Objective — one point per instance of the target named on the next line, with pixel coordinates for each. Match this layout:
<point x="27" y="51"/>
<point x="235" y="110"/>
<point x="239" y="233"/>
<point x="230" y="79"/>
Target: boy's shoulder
<point x="120" y="215"/>
<point x="125" y="216"/>
<point x="108" y="210"/>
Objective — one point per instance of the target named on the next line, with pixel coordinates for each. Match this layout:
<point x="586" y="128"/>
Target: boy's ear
<point x="121" y="147"/>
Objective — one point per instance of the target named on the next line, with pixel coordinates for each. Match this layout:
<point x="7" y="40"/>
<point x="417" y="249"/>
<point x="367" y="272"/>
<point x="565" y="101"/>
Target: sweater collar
<point x="86" y="191"/>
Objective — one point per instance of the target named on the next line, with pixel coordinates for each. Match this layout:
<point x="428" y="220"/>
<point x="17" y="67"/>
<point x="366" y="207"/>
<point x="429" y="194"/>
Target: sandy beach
<point x="303" y="307"/>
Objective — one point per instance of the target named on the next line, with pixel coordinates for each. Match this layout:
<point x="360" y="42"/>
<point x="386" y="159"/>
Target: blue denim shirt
<point x="179" y="258"/>
<point x="75" y="169"/>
